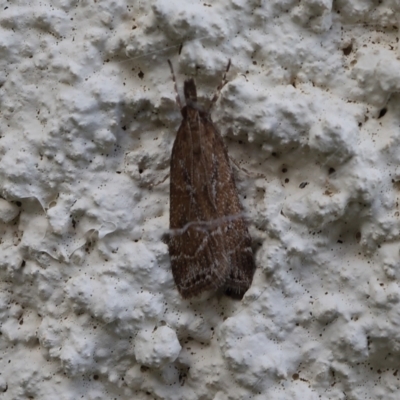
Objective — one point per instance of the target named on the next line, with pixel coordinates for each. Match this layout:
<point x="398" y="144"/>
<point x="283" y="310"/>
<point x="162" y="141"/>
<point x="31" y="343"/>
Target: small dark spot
<point x="140" y="170"/>
<point x="273" y="154"/>
<point x="331" y="171"/>
<point x="382" y="112"/>
<point x="143" y="368"/>
<point x="124" y="128"/>
<point x="254" y="62"/>
<point x="287" y="180"/>
<point x="141" y="75"/>
<point x="295" y="376"/>
<point x="134" y="27"/>
<point x="347" y="50"/>
<point x="18" y="203"/>
<point x="118" y="172"/>
<point x="23" y="264"/>
<point x="340" y="241"/>
<point x="180" y="49"/>
<point x="21" y="321"/>
<point x="284" y="170"/>
<point x="358" y="236"/>
<point x="95" y="377"/>
<point x="303" y="185"/>
<point x="395" y="372"/>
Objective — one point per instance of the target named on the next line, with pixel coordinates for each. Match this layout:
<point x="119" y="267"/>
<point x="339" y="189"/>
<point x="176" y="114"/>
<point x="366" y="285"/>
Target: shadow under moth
<point x="209" y="243"/>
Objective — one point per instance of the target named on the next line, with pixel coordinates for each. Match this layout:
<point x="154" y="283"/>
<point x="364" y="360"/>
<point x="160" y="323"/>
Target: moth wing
<point x="237" y="240"/>
<point x="211" y="246"/>
<point x="199" y="260"/>
<point x="241" y="260"/>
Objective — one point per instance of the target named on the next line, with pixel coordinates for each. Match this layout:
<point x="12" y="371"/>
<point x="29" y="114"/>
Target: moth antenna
<point x="224" y="81"/>
<point x="177" y="98"/>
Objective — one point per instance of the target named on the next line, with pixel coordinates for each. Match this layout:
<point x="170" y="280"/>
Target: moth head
<point x="190" y="92"/>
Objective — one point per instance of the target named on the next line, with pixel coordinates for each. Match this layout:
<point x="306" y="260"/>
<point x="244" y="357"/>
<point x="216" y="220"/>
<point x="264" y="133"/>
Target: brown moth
<point x="209" y="245"/>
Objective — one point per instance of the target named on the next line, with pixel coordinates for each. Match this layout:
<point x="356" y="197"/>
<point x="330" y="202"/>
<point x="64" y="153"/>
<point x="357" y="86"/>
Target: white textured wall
<point x="88" y="307"/>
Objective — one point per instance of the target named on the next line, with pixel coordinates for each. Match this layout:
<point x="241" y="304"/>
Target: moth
<point x="209" y="243"/>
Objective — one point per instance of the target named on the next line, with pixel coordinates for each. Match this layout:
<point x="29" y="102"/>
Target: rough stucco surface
<point x="88" y="307"/>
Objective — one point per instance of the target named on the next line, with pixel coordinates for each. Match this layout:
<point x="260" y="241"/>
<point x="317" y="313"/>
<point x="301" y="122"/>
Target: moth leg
<point x="177" y="98"/>
<point x="161" y="181"/>
<point x="248" y="173"/>
<point x="220" y="86"/>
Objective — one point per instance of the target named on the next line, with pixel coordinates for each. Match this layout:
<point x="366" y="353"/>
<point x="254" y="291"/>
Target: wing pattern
<point x="209" y="246"/>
